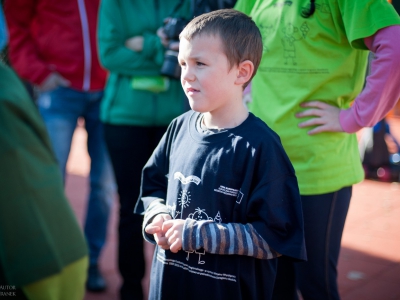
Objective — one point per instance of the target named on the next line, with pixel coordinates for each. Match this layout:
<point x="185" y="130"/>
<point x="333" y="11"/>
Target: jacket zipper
<point x="86" y="45"/>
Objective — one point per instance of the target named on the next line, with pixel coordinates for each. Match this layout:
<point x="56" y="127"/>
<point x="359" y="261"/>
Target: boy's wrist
<point x="150" y="220"/>
<point x="192" y="237"/>
<point x="155" y="208"/>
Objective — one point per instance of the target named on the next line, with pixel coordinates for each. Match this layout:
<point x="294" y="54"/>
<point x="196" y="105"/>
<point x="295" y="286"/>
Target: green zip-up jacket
<point x="118" y="21"/>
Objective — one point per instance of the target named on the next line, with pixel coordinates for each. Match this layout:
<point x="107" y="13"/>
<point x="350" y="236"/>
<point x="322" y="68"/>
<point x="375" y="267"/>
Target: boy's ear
<point x="245" y="71"/>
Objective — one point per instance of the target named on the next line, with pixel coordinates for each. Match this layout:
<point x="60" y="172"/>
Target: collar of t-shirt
<point x="201" y="127"/>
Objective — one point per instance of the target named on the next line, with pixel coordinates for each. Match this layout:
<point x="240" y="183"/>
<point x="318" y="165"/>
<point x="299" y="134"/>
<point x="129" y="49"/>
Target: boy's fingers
<point x="152" y="229"/>
<point x="162" y="241"/>
<point x="167" y="225"/>
<point x="176" y="246"/>
<point x="166" y="217"/>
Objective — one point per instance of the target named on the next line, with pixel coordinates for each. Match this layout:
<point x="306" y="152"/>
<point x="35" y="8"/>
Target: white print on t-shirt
<point x="230" y="192"/>
<point x="198" y="271"/>
<point x="172" y="210"/>
<point x="217" y="218"/>
<point x="199" y="215"/>
<point x="186" y="180"/>
<point x="200" y="262"/>
<point x="183" y="200"/>
<point x="239" y="197"/>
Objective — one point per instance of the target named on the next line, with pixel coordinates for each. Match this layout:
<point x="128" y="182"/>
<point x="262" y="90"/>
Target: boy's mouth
<point x="191" y="90"/>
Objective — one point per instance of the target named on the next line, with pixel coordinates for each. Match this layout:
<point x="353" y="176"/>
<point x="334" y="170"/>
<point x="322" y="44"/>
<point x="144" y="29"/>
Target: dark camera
<point x="172" y="30"/>
<point x="174" y="27"/>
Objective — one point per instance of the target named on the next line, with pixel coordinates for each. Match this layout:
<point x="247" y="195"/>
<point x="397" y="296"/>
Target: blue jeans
<point x="60" y="109"/>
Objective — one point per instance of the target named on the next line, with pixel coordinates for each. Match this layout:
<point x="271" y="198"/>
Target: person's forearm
<point x="220" y="238"/>
<point x="382" y="89"/>
<point x="113" y="53"/>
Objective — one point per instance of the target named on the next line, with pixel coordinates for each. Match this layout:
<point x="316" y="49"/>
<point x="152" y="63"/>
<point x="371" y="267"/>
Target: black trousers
<point x="129" y="148"/>
<point x="324" y="218"/>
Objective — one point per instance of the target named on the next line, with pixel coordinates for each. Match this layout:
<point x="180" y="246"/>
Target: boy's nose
<point x="187" y="74"/>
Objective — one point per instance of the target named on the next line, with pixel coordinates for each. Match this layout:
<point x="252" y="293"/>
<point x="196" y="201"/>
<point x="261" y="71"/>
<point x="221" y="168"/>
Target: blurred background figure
<point x="379" y="148"/>
<point x="3" y="29"/>
<point x="138" y="105"/>
<point x="53" y="45"/>
<point x="312" y="70"/>
<point x="43" y="254"/>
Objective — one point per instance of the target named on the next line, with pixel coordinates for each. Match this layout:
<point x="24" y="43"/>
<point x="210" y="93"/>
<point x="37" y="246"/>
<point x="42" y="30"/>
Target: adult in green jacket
<point x="137" y="107"/>
<point x="43" y="253"/>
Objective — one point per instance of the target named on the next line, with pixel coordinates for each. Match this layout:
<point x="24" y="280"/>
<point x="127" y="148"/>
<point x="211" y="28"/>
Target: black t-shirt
<point x="241" y="175"/>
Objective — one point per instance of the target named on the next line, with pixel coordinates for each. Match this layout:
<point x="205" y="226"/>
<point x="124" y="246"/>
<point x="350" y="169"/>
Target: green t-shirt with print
<point x="318" y="58"/>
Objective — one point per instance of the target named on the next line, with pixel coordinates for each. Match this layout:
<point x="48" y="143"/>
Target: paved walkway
<point x="369" y="265"/>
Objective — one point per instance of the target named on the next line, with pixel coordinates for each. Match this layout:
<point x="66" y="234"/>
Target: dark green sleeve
<point x="39" y="233"/>
<point x="113" y="54"/>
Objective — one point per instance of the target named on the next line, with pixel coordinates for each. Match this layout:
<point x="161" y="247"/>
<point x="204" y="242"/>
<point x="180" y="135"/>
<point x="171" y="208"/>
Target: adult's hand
<point x="324" y="116"/>
<point x="163" y="38"/>
<point x="135" y="43"/>
<point x="53" y="81"/>
<point x="172" y="45"/>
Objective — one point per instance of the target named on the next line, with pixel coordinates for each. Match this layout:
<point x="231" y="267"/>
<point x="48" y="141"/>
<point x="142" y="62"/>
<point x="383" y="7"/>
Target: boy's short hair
<point x="240" y="36"/>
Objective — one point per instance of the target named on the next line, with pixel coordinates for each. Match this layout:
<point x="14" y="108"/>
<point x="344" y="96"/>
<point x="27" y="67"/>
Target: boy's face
<point x="206" y="77"/>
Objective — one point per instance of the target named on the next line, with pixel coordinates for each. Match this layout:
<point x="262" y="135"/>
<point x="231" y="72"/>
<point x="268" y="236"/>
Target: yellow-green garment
<point x="319" y="58"/>
<point x="40" y="239"/>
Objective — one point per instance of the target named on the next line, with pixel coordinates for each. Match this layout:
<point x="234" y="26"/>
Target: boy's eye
<point x="182" y="64"/>
<point x="200" y="63"/>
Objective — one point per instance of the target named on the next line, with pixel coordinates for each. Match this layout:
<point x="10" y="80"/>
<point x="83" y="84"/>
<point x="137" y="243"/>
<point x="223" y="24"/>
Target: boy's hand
<point x="173" y="232"/>
<point x="155" y="228"/>
<point x="326" y="117"/>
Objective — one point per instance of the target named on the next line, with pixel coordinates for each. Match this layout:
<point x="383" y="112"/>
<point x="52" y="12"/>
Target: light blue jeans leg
<point x="102" y="182"/>
<point x="60" y="110"/>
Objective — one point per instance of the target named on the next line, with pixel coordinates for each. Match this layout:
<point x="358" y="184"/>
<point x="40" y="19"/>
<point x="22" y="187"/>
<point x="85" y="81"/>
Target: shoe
<point x="95" y="281"/>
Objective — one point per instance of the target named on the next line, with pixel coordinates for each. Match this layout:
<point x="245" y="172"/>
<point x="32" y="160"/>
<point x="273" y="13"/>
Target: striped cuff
<point x="192" y="238"/>
<point x="225" y="239"/>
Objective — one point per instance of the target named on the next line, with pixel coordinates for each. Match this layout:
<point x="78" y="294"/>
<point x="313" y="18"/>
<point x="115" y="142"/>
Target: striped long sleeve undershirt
<point x="217" y="238"/>
<point x="230" y="238"/>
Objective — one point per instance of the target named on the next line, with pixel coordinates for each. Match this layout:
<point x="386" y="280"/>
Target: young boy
<point x="219" y="194"/>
